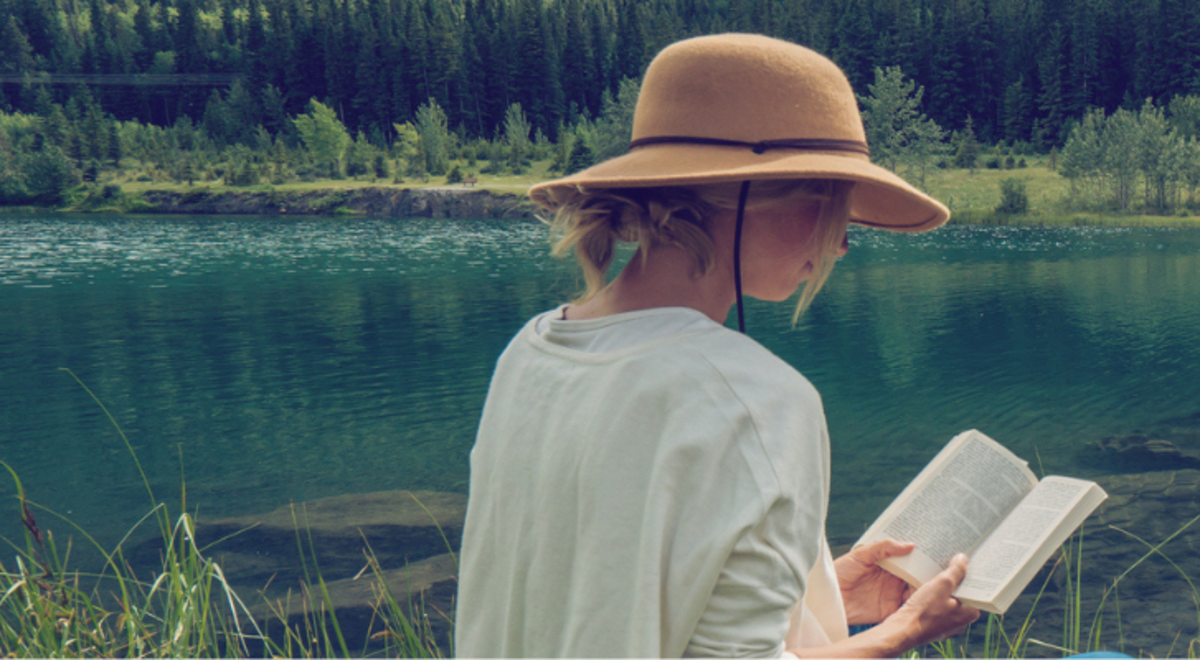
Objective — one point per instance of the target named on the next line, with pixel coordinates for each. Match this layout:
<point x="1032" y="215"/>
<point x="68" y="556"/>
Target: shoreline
<point x="375" y="201"/>
<point x="458" y="202"/>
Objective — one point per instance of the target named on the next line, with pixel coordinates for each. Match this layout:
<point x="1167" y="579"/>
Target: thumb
<point x="957" y="570"/>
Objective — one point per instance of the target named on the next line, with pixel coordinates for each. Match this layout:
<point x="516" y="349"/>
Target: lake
<point x="262" y="361"/>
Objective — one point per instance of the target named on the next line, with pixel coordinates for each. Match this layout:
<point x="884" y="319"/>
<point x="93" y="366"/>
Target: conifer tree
<point x="855" y="39"/>
<point x="16" y="54"/>
<point x="516" y="137"/>
<point x="898" y="132"/>
<point x="434" y="137"/>
<point x="323" y="134"/>
<point x="966" y="146"/>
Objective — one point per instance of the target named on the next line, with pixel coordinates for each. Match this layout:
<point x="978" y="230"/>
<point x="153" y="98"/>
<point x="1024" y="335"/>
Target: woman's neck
<point x="665" y="278"/>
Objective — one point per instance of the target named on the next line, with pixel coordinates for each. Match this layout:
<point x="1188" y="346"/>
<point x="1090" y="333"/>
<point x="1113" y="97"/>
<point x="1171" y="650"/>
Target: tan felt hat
<point x="744" y="107"/>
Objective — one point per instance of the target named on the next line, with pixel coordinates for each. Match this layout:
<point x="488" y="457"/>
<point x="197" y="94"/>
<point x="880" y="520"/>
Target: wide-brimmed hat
<point x="744" y="107"/>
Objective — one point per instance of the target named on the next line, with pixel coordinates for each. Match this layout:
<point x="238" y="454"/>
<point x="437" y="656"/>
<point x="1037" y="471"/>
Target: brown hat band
<point x="811" y="144"/>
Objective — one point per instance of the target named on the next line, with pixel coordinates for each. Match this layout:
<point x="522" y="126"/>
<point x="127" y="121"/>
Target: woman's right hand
<point x="932" y="612"/>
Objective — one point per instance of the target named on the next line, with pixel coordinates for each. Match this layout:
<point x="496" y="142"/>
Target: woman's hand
<point x="870" y="593"/>
<point x="927" y="614"/>
<point x="932" y="612"/>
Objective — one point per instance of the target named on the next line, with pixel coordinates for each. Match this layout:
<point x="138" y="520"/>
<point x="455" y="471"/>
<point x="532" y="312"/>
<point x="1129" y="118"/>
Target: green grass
<point x="128" y="177"/>
<point x="186" y="609"/>
<point x="972" y="197"/>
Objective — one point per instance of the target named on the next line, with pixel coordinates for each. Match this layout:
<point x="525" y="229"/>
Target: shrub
<point x="244" y="173"/>
<point x="455" y="175"/>
<point x="356" y="167"/>
<point x="92" y="171"/>
<point x="992" y="163"/>
<point x="49" y="174"/>
<point x="1013" y="199"/>
<point x="581" y="157"/>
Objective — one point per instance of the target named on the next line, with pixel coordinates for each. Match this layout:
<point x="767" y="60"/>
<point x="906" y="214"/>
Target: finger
<point x="880" y="550"/>
<point x="898" y="548"/>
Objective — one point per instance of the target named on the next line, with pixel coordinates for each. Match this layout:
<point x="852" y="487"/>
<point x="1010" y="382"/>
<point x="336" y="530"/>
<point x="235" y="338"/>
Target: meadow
<point x="972" y="195"/>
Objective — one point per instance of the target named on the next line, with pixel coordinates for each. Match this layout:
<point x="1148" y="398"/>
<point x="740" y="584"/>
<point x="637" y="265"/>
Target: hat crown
<point x="747" y="88"/>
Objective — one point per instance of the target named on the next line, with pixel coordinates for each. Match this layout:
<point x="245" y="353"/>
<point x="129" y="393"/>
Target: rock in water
<point x="1139" y="452"/>
<point x="424" y="592"/>
<point x="399" y="527"/>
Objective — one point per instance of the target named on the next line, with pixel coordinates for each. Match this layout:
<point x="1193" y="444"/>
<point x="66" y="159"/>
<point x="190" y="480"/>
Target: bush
<point x="356" y="167"/>
<point x="455" y="175"/>
<point x="12" y="191"/>
<point x="48" y="175"/>
<point x="91" y="172"/>
<point x="1013" y="199"/>
<point x="243" y="173"/>
<point x="581" y="157"/>
<point x="992" y="163"/>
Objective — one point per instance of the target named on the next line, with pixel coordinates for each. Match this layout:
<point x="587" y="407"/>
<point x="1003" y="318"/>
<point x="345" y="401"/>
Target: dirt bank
<point x="383" y="202"/>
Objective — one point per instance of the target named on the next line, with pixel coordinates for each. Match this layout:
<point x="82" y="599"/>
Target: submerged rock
<point x="424" y="592"/>
<point x="263" y="551"/>
<point x="1139" y="452"/>
<point x="1171" y="444"/>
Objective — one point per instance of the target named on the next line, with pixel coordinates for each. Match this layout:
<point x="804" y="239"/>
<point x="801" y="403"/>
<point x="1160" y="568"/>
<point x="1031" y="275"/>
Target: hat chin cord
<point x="737" y="254"/>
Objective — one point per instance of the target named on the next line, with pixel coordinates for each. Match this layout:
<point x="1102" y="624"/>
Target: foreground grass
<point x="186" y="609"/>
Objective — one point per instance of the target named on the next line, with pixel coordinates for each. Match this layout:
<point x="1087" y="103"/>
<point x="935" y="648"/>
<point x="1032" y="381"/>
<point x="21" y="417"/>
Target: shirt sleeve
<point x="755" y="593"/>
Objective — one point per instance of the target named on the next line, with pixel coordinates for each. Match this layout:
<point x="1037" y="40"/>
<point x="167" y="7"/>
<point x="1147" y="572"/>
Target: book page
<point x="1030" y="534"/>
<point x="952" y="505"/>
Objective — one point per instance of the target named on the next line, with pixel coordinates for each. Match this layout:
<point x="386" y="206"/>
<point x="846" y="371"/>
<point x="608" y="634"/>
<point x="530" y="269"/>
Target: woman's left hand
<point x="870" y="593"/>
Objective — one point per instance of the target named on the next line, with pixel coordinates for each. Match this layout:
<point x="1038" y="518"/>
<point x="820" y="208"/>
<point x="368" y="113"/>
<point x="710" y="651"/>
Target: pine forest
<point x="263" y="74"/>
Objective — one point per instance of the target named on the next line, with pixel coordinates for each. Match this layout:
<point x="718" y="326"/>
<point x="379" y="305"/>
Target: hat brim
<point x="880" y="199"/>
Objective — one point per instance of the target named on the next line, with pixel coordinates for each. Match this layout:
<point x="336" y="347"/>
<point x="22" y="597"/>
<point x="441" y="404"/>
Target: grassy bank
<point x="973" y="196"/>
<point x="186" y="609"/>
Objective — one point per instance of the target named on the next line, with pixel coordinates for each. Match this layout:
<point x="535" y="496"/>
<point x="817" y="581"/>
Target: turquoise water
<point x="263" y="361"/>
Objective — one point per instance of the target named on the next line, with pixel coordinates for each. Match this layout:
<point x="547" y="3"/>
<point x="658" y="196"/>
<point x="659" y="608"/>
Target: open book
<point x="979" y="498"/>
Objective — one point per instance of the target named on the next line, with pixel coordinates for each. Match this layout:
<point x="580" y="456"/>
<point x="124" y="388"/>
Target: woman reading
<point x="647" y="481"/>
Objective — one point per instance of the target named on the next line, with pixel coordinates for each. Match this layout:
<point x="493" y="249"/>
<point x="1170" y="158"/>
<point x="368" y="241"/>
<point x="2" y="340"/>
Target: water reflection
<point x="271" y="360"/>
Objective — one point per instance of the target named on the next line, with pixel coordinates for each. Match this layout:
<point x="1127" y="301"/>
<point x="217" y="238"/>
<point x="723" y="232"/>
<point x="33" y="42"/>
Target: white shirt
<point x="646" y="484"/>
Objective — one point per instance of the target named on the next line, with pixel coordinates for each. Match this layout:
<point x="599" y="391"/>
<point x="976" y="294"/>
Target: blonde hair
<point x="591" y="222"/>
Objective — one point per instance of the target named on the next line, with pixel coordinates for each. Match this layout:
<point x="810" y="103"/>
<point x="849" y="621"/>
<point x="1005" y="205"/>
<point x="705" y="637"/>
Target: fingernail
<point x="960" y="557"/>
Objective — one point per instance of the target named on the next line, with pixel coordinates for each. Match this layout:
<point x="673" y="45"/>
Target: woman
<point x="645" y="481"/>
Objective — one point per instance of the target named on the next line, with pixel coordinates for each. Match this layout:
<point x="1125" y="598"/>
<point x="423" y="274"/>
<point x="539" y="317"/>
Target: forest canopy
<point x="1020" y="70"/>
